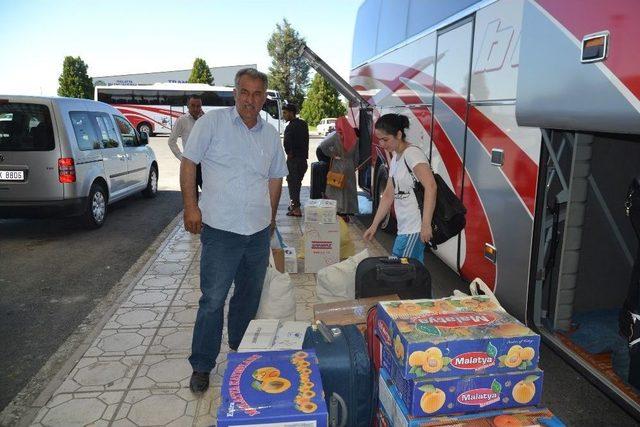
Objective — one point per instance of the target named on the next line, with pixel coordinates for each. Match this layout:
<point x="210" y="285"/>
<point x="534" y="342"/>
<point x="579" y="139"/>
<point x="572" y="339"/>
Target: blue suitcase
<point x="347" y="374"/>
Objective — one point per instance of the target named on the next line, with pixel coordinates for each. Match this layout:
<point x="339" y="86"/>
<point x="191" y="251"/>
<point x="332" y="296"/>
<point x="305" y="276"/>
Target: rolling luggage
<point x="319" y="172"/>
<point x="347" y="377"/>
<point x="374" y="346"/>
<point x="406" y="277"/>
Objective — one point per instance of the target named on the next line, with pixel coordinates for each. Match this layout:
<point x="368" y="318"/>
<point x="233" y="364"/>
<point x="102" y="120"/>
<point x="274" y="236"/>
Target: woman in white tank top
<point x="408" y="164"/>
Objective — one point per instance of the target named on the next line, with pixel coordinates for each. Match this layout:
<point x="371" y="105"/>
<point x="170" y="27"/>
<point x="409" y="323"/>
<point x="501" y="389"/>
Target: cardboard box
<point x="352" y="312"/>
<point x="260" y="335"/>
<point x="321" y="246"/>
<point x="394" y="413"/>
<point x="430" y="396"/>
<point x="272" y="388"/>
<point x="321" y="211"/>
<point x="290" y="335"/>
<point x="272" y="335"/>
<point x="453" y="337"/>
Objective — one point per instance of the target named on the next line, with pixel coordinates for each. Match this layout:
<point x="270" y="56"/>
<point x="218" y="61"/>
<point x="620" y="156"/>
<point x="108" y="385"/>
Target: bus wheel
<point x="144" y="127"/>
<point x="381" y="184"/>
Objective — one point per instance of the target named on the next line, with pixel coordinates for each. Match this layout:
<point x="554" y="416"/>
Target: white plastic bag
<point x="477" y="287"/>
<point x="337" y="282"/>
<point x="277" y="300"/>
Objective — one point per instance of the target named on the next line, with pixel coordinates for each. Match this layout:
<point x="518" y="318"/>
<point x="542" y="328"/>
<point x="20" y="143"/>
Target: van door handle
<point x="122" y="157"/>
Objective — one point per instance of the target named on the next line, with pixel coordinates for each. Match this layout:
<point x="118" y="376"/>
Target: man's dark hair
<point x="253" y="73"/>
<point x="194" y="96"/>
<point x="291" y="107"/>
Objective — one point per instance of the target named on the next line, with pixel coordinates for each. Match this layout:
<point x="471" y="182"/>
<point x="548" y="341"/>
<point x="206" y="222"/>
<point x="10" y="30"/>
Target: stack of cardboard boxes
<point x="321" y="234"/>
<point x="455" y="356"/>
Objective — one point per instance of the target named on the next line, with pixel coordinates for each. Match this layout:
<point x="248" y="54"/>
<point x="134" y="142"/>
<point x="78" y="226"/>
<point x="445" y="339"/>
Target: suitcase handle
<point x="337" y="406"/>
<point x="396" y="273"/>
<point x="329" y="334"/>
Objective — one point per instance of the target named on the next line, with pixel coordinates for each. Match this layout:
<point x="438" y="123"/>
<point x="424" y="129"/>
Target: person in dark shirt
<point x="296" y="145"/>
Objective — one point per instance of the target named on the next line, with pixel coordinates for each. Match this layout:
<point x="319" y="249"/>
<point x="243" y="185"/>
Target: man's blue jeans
<point x="227" y="258"/>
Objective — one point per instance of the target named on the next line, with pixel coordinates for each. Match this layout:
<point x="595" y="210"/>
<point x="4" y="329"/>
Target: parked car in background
<point x="66" y="156"/>
<point x="326" y="126"/>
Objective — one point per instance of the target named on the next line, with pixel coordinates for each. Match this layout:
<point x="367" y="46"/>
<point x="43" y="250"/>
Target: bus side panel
<point x="507" y="193"/>
<point x="496" y="51"/>
<point x="450" y="109"/>
<point x="401" y="77"/>
<point x="556" y="90"/>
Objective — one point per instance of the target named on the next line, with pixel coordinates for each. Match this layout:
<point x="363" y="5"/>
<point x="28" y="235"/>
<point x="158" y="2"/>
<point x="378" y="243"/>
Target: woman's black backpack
<point x="449" y="214"/>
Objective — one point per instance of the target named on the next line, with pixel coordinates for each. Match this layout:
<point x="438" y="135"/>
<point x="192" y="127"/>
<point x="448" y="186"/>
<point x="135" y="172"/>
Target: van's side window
<point x="129" y="137"/>
<point x="85" y="134"/>
<point x="105" y="129"/>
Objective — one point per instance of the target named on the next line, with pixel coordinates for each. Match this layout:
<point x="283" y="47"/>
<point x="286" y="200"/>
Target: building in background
<point x="222" y="76"/>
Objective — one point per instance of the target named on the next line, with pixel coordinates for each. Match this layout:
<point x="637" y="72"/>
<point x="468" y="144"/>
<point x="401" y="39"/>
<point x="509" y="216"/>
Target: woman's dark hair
<point x="392" y="123"/>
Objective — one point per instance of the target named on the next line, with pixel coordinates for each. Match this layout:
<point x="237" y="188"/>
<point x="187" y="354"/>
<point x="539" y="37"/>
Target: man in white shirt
<point x="243" y="164"/>
<point x="182" y="129"/>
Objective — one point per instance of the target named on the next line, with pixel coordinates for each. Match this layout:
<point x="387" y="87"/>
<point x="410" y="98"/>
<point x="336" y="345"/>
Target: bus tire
<point x="145" y="127"/>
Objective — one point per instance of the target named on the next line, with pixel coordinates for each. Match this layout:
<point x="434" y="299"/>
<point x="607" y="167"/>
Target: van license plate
<point x="11" y="175"/>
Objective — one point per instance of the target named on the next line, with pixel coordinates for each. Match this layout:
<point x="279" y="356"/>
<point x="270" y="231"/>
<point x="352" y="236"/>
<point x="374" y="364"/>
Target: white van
<point x="67" y="156"/>
<point x="326" y="126"/>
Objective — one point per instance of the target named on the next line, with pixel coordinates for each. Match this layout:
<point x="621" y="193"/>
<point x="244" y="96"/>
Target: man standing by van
<point x="182" y="128"/>
<point x="242" y="169"/>
<point x="296" y="145"/>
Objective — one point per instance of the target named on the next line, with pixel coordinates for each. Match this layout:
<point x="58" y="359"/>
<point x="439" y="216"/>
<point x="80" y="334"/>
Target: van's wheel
<point x="152" y="184"/>
<point x="381" y="185"/>
<point x="144" y="127"/>
<point x="96" y="211"/>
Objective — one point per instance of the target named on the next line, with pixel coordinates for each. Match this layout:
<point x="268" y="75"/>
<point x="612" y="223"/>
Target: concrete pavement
<point x="135" y="372"/>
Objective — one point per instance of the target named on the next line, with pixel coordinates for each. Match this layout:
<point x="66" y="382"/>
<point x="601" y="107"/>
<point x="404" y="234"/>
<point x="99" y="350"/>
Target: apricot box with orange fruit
<point x="272" y="388"/>
<point x="455" y="336"/>
<point x="394" y="412"/>
<point x="436" y="396"/>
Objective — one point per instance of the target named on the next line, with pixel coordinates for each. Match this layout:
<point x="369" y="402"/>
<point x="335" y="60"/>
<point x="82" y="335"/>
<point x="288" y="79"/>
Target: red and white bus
<point x="530" y="111"/>
<point x="155" y="108"/>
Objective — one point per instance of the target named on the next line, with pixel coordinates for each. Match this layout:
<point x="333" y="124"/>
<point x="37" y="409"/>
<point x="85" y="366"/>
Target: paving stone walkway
<point x="136" y="372"/>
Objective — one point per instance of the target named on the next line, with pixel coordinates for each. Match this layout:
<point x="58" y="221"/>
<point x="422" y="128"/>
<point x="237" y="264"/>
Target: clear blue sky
<point x="133" y="36"/>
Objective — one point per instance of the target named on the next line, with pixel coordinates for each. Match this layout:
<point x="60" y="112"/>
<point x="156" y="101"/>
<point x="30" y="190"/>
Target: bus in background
<point x="155" y="108"/>
<point x="530" y="111"/>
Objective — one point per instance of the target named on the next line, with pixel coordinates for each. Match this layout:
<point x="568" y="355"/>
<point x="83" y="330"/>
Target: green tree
<point x="74" y="81"/>
<point x="289" y="72"/>
<point x="322" y="101"/>
<point x="200" y="72"/>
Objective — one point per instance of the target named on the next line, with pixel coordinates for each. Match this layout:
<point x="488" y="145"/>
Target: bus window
<point x="172" y="97"/>
<point x="391" y="28"/>
<point x="425" y="14"/>
<point x="115" y="96"/>
<point x="217" y="99"/>
<point x="145" y="97"/>
<point x="365" y="34"/>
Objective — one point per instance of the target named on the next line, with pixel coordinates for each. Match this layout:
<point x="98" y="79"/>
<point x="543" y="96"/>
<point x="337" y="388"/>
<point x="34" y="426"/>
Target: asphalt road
<point x="567" y="393"/>
<point x="53" y="272"/>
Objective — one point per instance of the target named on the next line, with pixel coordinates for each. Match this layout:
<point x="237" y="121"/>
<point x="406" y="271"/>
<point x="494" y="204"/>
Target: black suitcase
<point x="406" y="277"/>
<point x="347" y="374"/>
<point x="319" y="172"/>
